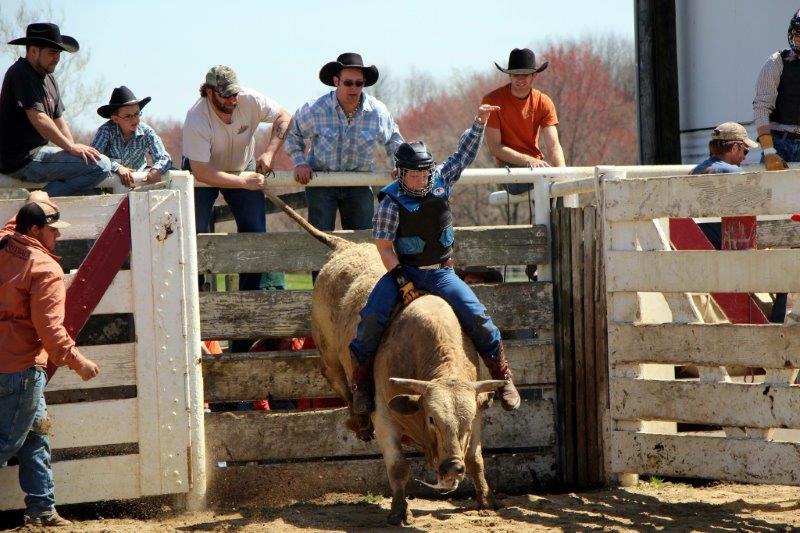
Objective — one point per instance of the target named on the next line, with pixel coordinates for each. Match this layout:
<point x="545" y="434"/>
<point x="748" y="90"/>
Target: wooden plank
<point x="601" y="350"/>
<point x="283" y="375"/>
<point x="717" y="271"/>
<point x="116" y="369"/>
<point x="766" y="346"/>
<point x="241" y="315"/>
<point x="276" y="435"/>
<point x="752" y="193"/>
<point x="590" y="402"/>
<point x="87" y="215"/>
<point x="567" y="354"/>
<point x="778" y="234"/>
<point x="83" y="480"/>
<point x="298" y="251"/>
<point x="281" y="484"/>
<point x="161" y="353"/>
<point x="725" y="404"/>
<point x="579" y="376"/>
<point x="117" y="299"/>
<point x="75" y="425"/>
<point x="739" y="460"/>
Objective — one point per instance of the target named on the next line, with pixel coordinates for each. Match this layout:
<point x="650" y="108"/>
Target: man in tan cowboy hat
<point x="31" y="114"/>
<point x="342" y="128"/>
<point x="32" y="296"/>
<point x="525" y="115"/>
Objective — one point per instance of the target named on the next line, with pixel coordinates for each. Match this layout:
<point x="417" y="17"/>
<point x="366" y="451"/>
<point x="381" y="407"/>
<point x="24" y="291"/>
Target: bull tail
<point x="331" y="241"/>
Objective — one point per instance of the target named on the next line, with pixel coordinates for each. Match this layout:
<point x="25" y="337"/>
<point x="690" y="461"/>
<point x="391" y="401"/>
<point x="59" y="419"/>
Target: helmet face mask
<point x="414" y="157"/>
<point x="794" y="29"/>
<point x="414" y="192"/>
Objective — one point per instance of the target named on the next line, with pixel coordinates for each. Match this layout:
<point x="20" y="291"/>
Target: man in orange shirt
<point x="32" y="295"/>
<point x="513" y="133"/>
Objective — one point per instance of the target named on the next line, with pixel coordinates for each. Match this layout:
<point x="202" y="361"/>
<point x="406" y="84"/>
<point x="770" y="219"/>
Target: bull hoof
<point x="400" y="517"/>
<point x="365" y="434"/>
<point x="489" y="504"/>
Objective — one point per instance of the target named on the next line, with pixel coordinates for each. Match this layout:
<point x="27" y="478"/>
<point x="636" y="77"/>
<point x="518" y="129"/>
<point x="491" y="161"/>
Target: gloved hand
<point x="772" y="161"/>
<point x="408" y="293"/>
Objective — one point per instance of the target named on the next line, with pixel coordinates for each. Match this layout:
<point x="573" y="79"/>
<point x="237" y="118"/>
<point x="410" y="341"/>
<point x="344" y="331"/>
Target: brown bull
<point x="426" y="384"/>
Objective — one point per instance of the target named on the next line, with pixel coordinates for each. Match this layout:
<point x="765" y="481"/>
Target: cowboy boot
<point x="498" y="369"/>
<point x="362" y="386"/>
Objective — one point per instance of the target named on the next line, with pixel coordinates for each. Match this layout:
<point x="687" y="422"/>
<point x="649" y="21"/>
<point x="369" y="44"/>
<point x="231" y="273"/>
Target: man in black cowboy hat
<point x="31" y="115"/>
<point x="342" y="128"/>
<point x="512" y="134"/>
<point x="126" y="140"/>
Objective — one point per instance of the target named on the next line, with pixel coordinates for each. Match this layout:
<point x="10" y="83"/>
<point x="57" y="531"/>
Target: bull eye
<point x="430" y="420"/>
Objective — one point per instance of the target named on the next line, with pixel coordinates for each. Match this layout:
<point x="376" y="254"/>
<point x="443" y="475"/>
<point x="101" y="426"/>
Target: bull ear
<point x="489" y="385"/>
<point x="485" y="400"/>
<point x="413" y="385"/>
<point x="405" y="404"/>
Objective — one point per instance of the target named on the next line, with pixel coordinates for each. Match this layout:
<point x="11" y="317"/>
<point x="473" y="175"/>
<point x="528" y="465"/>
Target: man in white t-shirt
<point x="219" y="139"/>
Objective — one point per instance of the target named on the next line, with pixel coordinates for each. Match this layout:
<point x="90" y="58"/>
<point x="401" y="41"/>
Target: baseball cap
<point x="732" y="131"/>
<point x="40" y="214"/>
<point x="224" y="80"/>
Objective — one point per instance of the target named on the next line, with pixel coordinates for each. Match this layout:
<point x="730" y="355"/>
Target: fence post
<point x="541" y="217"/>
<point x="183" y="182"/>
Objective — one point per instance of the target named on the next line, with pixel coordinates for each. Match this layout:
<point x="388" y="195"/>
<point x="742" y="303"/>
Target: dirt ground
<point x="660" y="506"/>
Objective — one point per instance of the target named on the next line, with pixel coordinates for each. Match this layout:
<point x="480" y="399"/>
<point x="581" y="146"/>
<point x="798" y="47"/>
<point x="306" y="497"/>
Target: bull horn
<point x="413" y="385"/>
<point x="489" y="385"/>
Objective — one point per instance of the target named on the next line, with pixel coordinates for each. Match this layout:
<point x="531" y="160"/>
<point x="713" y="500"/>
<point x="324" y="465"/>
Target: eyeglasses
<point x="129" y="116"/>
<point x="350" y="83"/>
<point x="52" y="217"/>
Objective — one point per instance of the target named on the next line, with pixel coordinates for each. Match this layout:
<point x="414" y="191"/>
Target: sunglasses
<point x="130" y="115"/>
<point x="745" y="148"/>
<point x="234" y="95"/>
<point x="52" y="217"/>
<point x="350" y="83"/>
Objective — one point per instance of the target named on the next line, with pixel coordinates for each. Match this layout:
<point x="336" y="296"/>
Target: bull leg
<point x="475" y="471"/>
<point x="397" y="468"/>
<point x="336" y="376"/>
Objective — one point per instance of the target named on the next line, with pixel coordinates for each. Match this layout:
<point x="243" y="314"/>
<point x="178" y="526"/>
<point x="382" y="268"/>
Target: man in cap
<point x="776" y="102"/>
<point x="219" y="149"/>
<point x="126" y="140"/>
<point x="728" y="147"/>
<point x="342" y="129"/>
<point x="525" y="115"/>
<point x="31" y="115"/>
<point x="413" y="231"/>
<point x="32" y="295"/>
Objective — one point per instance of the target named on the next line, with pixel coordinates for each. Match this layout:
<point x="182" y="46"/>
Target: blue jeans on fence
<point x="64" y="173"/>
<point x="442" y="282"/>
<point x="22" y="412"/>
<point x="355" y="204"/>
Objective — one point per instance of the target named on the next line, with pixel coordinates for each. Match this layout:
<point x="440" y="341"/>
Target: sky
<point x="163" y="48"/>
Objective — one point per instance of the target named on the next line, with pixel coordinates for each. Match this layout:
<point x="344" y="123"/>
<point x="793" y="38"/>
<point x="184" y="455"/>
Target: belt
<point x="444" y="264"/>
<point x="786" y="135"/>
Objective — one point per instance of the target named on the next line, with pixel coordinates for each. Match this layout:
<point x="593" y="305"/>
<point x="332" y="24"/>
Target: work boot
<point x="51" y="519"/>
<point x="362" y="387"/>
<point x="498" y="369"/>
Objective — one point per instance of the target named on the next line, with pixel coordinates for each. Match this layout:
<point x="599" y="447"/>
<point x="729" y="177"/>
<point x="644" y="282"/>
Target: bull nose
<point x="451" y="467"/>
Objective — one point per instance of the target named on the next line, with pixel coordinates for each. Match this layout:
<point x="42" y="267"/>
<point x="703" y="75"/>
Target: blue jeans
<point x="442" y="282"/>
<point x="355" y="204"/>
<point x="22" y="411"/>
<point x="65" y="174"/>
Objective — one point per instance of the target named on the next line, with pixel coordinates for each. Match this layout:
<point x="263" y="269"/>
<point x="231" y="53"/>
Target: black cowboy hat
<point x="522" y="61"/>
<point x="348" y="60"/>
<point x="121" y="96"/>
<point x="47" y="35"/>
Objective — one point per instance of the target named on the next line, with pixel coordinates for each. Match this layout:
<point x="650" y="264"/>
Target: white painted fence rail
<point x="161" y="428"/>
<point x="654" y="325"/>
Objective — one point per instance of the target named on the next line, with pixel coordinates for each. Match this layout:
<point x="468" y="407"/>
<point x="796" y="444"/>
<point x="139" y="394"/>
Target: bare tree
<point x="80" y="95"/>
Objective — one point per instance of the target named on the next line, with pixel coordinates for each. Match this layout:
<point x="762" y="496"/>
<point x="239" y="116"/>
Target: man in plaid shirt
<point x="341" y="130"/>
<point x="413" y="231"/>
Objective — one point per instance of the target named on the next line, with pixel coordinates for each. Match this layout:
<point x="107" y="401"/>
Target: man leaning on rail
<point x="32" y="332"/>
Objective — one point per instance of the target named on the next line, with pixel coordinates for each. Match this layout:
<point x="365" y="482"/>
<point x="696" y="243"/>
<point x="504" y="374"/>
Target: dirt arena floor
<point x="659" y="506"/>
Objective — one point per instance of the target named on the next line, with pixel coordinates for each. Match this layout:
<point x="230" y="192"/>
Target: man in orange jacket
<point x="32" y="295"/>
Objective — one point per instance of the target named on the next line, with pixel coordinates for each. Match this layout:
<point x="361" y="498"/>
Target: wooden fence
<point x="654" y="324"/>
<point x="279" y="456"/>
<point x="126" y="433"/>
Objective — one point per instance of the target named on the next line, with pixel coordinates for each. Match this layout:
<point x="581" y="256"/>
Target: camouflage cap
<point x="223" y="79"/>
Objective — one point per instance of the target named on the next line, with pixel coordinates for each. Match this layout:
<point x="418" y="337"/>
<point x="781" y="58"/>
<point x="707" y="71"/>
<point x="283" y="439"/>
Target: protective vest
<point x="787" y="105"/>
<point x="425" y="229"/>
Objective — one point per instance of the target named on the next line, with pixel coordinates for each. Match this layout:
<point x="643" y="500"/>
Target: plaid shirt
<point x="336" y="145"/>
<point x="387" y="216"/>
<point x="131" y="153"/>
<point x="767" y="93"/>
